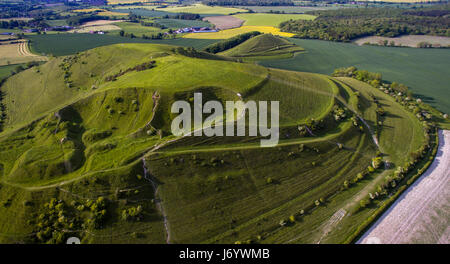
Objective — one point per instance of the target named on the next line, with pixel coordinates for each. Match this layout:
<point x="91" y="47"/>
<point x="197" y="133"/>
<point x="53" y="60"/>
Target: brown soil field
<point x="224" y="22"/>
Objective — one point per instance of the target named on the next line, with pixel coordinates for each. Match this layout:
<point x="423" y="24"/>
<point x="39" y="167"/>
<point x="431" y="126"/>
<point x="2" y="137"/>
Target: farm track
<point x="419" y="215"/>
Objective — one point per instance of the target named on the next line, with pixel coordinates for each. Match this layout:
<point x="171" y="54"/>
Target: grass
<point x="168" y="76"/>
<point x="228" y="33"/>
<point x="231" y="202"/>
<point x="423" y="70"/>
<point x="262" y="47"/>
<point x="6" y="70"/>
<point x="86" y="140"/>
<point x="65" y="44"/>
<point x="399" y="126"/>
<point x="272" y="20"/>
<point x="201" y="9"/>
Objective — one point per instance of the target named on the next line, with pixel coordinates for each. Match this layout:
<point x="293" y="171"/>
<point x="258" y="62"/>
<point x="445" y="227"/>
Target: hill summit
<point x="264" y="46"/>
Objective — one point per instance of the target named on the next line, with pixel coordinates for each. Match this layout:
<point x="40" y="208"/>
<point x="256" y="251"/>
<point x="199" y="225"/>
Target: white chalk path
<point x="422" y="213"/>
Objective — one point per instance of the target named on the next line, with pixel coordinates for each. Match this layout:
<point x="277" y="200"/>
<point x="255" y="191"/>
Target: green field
<point x="140" y="11"/>
<point x="65" y="44"/>
<point x="272" y="20"/>
<point x="425" y="71"/>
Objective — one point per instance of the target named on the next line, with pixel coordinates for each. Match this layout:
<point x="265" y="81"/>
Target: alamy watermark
<point x="218" y="121"/>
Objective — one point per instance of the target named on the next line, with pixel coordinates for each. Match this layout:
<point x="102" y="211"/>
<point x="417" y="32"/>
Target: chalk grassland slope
<point x="233" y="200"/>
<point x="425" y="71"/>
<point x="426" y="198"/>
<point x="264" y="47"/>
<point x="181" y="23"/>
<point x="83" y="141"/>
<point x="93" y="132"/>
<point x="66" y="44"/>
<point x="228" y="33"/>
<point x="91" y="68"/>
<point x="226" y="192"/>
<point x="136" y="29"/>
<point x="273" y="20"/>
<point x="14" y="53"/>
<point x="201" y="9"/>
<point x="86" y="135"/>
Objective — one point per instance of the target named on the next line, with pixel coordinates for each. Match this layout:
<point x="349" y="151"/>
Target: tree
<point x="364" y="203"/>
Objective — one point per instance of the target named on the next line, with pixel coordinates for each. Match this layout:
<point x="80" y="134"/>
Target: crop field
<point x="202" y="9"/>
<point x="228" y="33"/>
<point x="225" y="22"/>
<point x="6" y="70"/>
<point x="65" y="44"/>
<point x="425" y="71"/>
<point x="272" y="20"/>
<point x="15" y="53"/>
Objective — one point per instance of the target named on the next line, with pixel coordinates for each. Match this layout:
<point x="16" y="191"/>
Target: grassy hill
<point x="264" y="46"/>
<point x="86" y="150"/>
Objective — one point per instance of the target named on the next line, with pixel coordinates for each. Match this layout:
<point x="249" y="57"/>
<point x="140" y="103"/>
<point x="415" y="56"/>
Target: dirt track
<point x="422" y="213"/>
